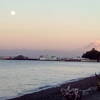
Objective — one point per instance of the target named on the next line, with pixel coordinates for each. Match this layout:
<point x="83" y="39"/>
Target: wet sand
<point x="55" y="94"/>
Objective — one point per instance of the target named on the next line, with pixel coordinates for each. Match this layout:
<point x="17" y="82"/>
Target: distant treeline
<point x="20" y="57"/>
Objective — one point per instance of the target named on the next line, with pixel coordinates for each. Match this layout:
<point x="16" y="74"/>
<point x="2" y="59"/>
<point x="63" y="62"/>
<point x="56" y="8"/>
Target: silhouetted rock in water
<point x="92" y="55"/>
<point x="20" y="57"/>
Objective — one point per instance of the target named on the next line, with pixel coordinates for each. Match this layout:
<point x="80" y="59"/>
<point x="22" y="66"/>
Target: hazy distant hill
<point x="37" y="53"/>
<point x="95" y="45"/>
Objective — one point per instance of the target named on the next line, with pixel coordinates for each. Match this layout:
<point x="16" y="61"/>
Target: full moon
<point x="12" y="12"/>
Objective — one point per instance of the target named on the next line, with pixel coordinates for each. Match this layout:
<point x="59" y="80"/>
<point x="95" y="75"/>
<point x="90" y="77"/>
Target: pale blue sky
<point x="52" y="8"/>
<point x="83" y="6"/>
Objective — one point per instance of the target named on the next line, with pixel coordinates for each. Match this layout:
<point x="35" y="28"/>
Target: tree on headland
<point x="20" y="57"/>
<point x="92" y="55"/>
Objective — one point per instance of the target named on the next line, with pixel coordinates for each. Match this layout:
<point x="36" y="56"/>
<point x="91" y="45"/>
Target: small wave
<point x="44" y="87"/>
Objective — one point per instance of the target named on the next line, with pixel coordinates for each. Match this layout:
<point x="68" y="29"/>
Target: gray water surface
<point x="20" y="77"/>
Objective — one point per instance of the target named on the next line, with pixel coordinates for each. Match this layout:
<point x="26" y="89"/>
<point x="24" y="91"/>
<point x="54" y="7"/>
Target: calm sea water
<point x="21" y="77"/>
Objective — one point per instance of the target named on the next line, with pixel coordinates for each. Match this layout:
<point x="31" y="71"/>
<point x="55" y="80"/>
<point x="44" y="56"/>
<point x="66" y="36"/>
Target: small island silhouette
<point x="92" y="55"/>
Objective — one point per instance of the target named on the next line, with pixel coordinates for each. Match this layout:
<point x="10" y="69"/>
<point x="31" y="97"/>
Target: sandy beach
<point x="55" y="94"/>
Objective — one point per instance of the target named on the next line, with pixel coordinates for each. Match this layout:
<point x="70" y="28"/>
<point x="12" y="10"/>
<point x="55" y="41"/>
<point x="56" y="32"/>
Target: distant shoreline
<point x="50" y="60"/>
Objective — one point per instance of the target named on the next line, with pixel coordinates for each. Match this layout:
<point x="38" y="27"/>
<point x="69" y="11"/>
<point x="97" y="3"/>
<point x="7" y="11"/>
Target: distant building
<point x="48" y="58"/>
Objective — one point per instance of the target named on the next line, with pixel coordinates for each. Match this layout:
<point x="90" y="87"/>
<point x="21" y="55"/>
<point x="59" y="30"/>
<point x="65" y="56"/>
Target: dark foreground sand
<point x="95" y="96"/>
<point x="54" y="93"/>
